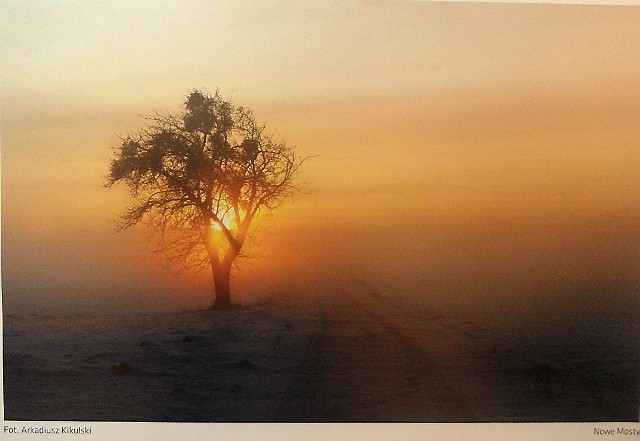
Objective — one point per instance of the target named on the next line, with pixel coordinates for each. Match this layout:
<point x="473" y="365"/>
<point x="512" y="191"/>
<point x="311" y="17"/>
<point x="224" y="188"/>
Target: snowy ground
<point x="342" y="356"/>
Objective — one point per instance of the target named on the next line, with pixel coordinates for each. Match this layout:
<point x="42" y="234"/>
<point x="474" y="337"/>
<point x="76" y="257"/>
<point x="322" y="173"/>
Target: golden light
<point x="229" y="221"/>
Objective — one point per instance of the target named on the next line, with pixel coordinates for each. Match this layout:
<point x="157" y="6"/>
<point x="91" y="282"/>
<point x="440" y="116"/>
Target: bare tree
<point x="200" y="179"/>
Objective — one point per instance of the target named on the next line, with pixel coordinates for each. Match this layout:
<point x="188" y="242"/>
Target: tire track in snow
<point x="363" y="366"/>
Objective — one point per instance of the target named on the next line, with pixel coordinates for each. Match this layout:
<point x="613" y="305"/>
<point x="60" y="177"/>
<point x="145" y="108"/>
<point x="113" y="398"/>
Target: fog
<point x="519" y="261"/>
<point x="449" y="164"/>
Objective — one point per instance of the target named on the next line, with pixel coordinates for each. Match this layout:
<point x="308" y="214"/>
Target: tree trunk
<point x="222" y="285"/>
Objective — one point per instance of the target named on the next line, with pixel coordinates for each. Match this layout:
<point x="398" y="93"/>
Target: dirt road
<point x="375" y="359"/>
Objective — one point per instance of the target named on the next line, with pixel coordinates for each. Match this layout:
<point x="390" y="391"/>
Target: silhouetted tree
<point x="200" y="179"/>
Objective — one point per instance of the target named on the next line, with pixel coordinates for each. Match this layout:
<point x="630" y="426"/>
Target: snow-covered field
<point x="349" y="355"/>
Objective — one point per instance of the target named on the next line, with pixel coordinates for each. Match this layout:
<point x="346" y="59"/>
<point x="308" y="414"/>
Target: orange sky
<point x="455" y="145"/>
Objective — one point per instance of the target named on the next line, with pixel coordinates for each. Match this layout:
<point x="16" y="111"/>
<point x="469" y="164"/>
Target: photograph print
<point x="320" y="212"/>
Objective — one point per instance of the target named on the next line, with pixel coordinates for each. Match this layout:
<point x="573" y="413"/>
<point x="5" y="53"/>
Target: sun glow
<point x="229" y="221"/>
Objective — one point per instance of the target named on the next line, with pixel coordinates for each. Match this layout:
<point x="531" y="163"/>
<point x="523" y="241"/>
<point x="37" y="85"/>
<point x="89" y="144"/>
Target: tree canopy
<point x="201" y="178"/>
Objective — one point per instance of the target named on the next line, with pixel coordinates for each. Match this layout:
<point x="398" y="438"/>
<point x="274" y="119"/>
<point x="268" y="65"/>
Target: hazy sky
<point x="462" y="151"/>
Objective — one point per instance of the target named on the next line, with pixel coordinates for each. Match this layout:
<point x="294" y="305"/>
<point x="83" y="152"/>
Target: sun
<point x="229" y="221"/>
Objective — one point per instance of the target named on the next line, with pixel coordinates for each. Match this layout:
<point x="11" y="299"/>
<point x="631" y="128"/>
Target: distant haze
<point x="462" y="154"/>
